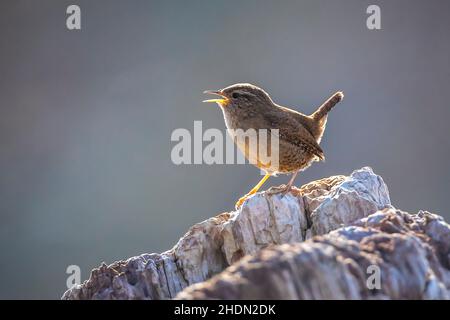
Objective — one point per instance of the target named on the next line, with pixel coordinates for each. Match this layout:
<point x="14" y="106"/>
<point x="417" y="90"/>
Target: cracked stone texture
<point x="265" y="219"/>
<point x="410" y="253"/>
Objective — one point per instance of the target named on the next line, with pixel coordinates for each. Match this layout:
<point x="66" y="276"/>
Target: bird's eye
<point x="235" y="95"/>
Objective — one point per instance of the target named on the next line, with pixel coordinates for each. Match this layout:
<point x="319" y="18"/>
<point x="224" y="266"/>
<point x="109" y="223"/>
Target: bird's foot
<point x="283" y="189"/>
<point x="240" y="202"/>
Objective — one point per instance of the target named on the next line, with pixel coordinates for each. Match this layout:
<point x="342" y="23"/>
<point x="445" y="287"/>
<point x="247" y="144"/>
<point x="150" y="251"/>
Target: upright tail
<point x="327" y="106"/>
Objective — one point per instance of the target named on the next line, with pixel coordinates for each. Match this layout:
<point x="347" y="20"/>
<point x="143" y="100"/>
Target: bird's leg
<point x="285" y="188"/>
<point x="290" y="183"/>
<point x="253" y="191"/>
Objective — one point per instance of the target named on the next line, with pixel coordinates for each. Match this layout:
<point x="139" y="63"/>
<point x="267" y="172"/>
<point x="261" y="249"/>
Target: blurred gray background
<point x="86" y="116"/>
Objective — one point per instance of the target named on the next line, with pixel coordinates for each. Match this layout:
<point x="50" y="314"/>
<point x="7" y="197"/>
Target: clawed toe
<point x="240" y="202"/>
<point x="280" y="189"/>
<point x="283" y="190"/>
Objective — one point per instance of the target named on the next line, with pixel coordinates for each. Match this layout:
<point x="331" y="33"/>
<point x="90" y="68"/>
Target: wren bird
<point x="246" y="106"/>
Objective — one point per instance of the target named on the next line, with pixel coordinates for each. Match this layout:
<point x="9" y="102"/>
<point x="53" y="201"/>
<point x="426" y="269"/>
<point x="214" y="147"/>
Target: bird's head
<point x="240" y="96"/>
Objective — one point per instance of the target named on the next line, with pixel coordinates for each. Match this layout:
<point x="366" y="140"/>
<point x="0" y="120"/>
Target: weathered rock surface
<point x="388" y="255"/>
<point x="269" y="219"/>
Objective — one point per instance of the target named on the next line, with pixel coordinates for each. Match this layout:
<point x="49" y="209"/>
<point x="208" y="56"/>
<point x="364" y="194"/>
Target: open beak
<point x="222" y="101"/>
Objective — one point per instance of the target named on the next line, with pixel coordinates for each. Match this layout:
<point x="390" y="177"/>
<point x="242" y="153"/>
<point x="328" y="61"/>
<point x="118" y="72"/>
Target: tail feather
<point x="323" y="110"/>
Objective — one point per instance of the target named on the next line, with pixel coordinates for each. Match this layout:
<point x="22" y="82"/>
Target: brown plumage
<point x="246" y="106"/>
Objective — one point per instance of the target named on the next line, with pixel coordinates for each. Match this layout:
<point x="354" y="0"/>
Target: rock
<point x="410" y="253"/>
<point x="265" y="219"/>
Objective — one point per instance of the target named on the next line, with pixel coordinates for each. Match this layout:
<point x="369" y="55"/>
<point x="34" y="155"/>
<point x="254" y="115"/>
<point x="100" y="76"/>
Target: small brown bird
<point x="246" y="106"/>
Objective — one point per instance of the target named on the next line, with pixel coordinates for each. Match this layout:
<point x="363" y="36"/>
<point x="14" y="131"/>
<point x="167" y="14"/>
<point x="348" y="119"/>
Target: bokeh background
<point x="86" y="116"/>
